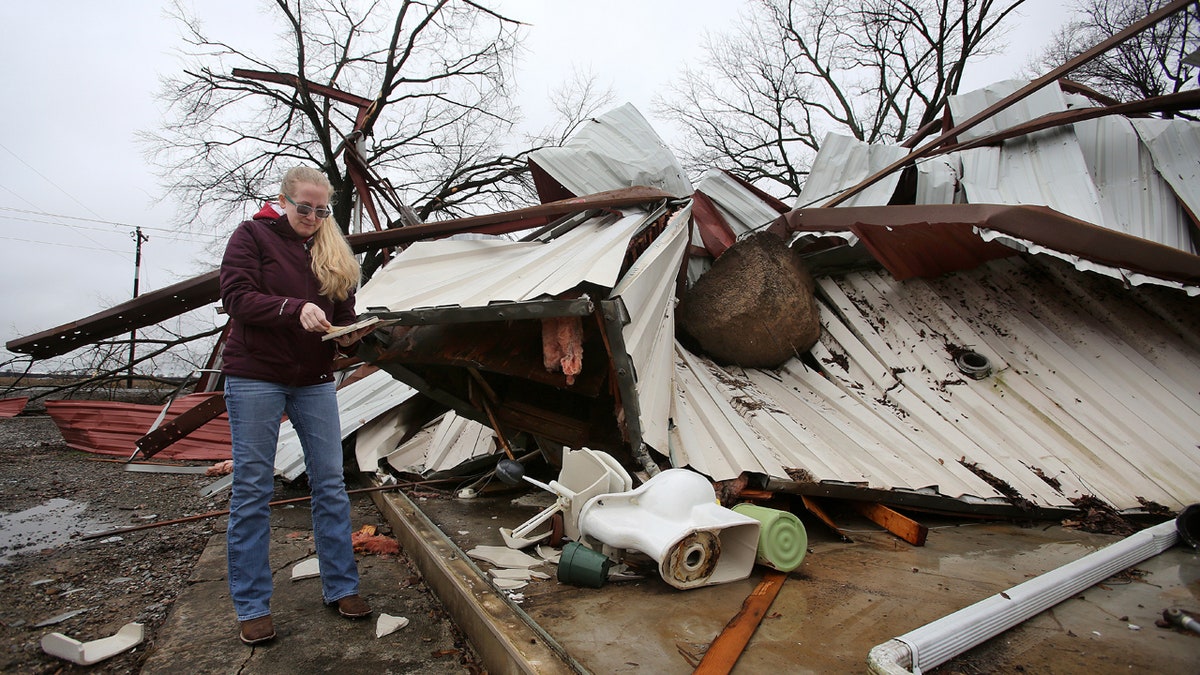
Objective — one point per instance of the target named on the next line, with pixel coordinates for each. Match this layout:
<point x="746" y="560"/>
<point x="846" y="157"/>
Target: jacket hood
<point x="269" y="211"/>
<point x="277" y="220"/>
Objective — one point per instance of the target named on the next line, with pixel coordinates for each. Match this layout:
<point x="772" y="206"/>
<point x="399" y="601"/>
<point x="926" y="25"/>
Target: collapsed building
<point x="1005" y="328"/>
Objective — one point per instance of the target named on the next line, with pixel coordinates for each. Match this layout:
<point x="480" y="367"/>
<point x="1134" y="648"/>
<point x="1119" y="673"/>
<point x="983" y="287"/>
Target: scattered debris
<point x="59" y="618"/>
<point x="365" y="540"/>
<point x="223" y="468"/>
<point x="86" y="653"/>
<point x="1099" y="517"/>
<point x="502" y="556"/>
<point x="1013" y="495"/>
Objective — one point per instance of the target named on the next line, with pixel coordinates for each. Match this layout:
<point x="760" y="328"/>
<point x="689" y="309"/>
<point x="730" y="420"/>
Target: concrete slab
<point x="849" y="597"/>
<point x="200" y="633"/>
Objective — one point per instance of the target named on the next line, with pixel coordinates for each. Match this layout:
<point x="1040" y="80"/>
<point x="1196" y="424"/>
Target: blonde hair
<point x="333" y="262"/>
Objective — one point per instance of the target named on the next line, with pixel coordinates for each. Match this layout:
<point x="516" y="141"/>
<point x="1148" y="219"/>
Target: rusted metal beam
<point x="1016" y="96"/>
<point x="1184" y="100"/>
<point x="294" y="81"/>
<point x="165" y="303"/>
<point x="188" y="421"/>
<point x="899" y="237"/>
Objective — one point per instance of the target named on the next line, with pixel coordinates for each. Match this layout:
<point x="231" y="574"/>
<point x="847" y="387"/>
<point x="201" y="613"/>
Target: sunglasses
<point x="305" y="209"/>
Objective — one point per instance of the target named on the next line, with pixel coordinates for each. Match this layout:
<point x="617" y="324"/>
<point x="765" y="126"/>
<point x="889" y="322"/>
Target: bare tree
<point x="1146" y="65"/>
<point x="794" y="70"/>
<point x="436" y="75"/>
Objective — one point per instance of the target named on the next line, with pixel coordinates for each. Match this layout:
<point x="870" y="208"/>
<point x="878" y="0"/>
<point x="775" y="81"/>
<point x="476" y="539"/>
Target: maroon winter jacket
<point x="266" y="277"/>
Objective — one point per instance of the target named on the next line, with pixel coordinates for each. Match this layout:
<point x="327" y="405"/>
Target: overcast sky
<point x="80" y="79"/>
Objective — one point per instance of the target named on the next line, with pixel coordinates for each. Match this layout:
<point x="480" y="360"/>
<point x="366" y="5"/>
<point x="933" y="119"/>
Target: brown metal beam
<point x="188" y="421"/>
<point x="165" y="303"/>
<point x="1184" y="100"/>
<point x="294" y="81"/>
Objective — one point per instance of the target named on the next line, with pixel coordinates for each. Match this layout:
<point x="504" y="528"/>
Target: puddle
<point x="47" y="525"/>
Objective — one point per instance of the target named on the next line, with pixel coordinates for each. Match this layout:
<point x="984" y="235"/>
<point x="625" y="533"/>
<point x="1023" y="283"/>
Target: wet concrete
<point x="848" y="597"/>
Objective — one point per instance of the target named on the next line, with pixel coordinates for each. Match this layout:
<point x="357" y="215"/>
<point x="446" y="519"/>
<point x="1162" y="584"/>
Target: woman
<point x="285" y="275"/>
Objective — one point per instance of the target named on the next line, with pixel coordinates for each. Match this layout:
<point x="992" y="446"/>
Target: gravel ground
<point x="53" y="580"/>
<point x="48" y="572"/>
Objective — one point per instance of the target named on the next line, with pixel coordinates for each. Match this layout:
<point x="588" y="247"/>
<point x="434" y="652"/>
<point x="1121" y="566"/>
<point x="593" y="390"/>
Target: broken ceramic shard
<point x="388" y="624"/>
<point x="87" y="653"/>
<point x="306" y="569"/>
<point x="509" y="584"/>
<point x="502" y="556"/>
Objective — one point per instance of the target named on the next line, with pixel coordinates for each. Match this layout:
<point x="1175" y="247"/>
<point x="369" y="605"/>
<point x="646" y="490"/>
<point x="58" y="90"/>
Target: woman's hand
<point x="312" y="319"/>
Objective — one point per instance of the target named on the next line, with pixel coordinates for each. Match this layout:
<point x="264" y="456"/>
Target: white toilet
<point x="675" y="519"/>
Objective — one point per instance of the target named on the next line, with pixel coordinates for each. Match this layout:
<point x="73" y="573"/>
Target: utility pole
<point x="138" y="238"/>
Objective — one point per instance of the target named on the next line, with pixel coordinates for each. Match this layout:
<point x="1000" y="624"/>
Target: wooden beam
<point x="814" y="507"/>
<point x="725" y="650"/>
<point x="898" y="524"/>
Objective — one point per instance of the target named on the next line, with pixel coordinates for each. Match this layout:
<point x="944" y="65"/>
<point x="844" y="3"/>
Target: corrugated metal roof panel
<point x="742" y="209"/>
<point x="1048" y="99"/>
<point x="1091" y="392"/>
<point x="1175" y="145"/>
<point x="113" y="428"/>
<point x="844" y="162"/>
<point x="445" y="443"/>
<point x="475" y="273"/>
<point x="648" y="292"/>
<point x="1133" y="193"/>
<point x="1045" y="168"/>
<point x="615" y="150"/>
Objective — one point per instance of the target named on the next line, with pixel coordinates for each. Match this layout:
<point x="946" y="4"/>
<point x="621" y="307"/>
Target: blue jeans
<point x="255" y="410"/>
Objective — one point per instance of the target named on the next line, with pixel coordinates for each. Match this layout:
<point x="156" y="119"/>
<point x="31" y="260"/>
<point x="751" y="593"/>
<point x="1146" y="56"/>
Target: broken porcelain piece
<point x="585" y="473"/>
<point x="87" y="653"/>
<point x="388" y="624"/>
<point x="512" y="540"/>
<point x="549" y="554"/>
<point x="306" y="569"/>
<point x="509" y="584"/>
<point x="675" y="519"/>
<point x="501" y="556"/>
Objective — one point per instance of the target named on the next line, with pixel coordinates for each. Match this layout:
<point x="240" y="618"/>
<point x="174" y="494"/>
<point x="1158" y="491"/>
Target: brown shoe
<point x="353" y="607"/>
<point x="258" y="630"/>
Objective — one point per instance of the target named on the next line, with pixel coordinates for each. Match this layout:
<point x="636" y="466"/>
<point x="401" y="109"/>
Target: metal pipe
<point x="939" y="641"/>
<point x="214" y="514"/>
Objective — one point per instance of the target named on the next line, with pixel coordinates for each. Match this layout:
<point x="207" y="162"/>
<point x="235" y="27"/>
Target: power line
<point x="103" y="222"/>
<point x="39" y="173"/>
<point x="170" y="235"/>
<point x="55" y="243"/>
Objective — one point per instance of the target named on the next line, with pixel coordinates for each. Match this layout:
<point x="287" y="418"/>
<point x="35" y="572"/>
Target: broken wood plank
<point x="895" y="522"/>
<point x="729" y="645"/>
<point x="815" y="508"/>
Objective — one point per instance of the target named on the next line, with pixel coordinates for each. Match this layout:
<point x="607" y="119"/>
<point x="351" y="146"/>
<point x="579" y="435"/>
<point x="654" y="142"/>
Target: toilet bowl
<point x="675" y="519"/>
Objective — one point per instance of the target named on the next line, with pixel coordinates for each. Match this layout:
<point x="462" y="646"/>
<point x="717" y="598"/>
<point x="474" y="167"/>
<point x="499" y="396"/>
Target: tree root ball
<point x="755" y="307"/>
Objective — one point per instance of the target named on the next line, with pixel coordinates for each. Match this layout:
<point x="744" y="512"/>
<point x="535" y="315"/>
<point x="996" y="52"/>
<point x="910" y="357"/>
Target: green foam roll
<point x="782" y="540"/>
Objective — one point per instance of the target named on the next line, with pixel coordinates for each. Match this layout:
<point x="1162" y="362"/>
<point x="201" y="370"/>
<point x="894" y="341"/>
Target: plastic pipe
<point x="935" y="643"/>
